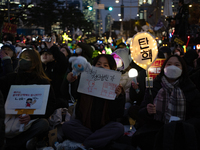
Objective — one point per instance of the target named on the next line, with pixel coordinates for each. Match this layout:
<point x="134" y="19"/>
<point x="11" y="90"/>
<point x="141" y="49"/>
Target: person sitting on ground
<point x="29" y="72"/>
<point x="173" y="96"/>
<point x="95" y="118"/>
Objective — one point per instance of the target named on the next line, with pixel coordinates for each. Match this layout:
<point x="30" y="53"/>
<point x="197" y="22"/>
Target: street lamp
<point x="119" y="15"/>
<point x="117" y="1"/>
<point x="120" y="19"/>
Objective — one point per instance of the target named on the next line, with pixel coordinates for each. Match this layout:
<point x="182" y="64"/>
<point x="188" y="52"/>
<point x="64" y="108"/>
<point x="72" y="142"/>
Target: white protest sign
<point x="99" y="82"/>
<point x="143" y="49"/>
<point x="27" y="97"/>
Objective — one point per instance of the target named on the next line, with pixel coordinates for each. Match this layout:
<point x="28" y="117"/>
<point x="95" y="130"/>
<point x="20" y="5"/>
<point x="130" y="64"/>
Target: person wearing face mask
<point x="178" y="51"/>
<point x="29" y="72"/>
<point x="18" y="47"/>
<point x="8" y="59"/>
<point x="173" y="96"/>
<point x="95" y="123"/>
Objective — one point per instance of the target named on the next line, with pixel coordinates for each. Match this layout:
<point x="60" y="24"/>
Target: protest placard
<point x="27" y="97"/>
<point x="99" y="82"/>
<point x="155" y="68"/>
<point x="143" y="49"/>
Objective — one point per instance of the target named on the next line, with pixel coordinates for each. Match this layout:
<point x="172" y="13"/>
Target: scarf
<point x="169" y="101"/>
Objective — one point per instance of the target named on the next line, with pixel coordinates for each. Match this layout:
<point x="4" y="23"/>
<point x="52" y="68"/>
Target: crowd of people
<point x="166" y="116"/>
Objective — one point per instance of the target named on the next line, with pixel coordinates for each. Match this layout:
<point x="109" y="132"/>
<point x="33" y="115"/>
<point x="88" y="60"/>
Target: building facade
<point x="108" y="22"/>
<point x="142" y="9"/>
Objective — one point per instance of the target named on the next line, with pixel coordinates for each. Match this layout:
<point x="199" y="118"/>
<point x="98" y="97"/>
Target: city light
<point x="119" y="15"/>
<point x="117" y="1"/>
<point x="110" y="8"/>
<point x="138" y="15"/>
<point x="120" y="19"/>
<point x="90" y="8"/>
<point x="190" y="5"/>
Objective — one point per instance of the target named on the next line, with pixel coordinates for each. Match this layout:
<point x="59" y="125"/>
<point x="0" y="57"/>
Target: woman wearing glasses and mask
<point x="29" y="72"/>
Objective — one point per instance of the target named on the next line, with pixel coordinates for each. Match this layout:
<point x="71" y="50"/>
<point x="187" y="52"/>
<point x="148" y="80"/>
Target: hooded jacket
<point x="125" y="81"/>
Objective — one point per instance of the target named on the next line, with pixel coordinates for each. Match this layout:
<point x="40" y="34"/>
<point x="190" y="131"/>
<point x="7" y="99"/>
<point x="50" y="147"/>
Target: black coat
<point x="115" y="107"/>
<point x="195" y="79"/>
<point x="2" y="117"/>
<point x="56" y="69"/>
<point x="191" y="94"/>
<point x="28" y="79"/>
<point x="8" y="66"/>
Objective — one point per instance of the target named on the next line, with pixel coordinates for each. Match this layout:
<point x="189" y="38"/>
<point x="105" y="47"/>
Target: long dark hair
<point x="36" y="68"/>
<point x="184" y="74"/>
<point x="111" y="61"/>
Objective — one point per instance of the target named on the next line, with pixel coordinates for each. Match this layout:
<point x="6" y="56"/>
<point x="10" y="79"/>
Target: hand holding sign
<point x="144" y="49"/>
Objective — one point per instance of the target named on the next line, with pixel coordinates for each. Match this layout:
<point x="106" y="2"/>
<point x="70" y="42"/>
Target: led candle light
<point x="133" y="73"/>
<point x="143" y="49"/>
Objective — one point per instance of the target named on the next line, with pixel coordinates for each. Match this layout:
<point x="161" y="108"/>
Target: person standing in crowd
<point x="55" y="65"/>
<point x="8" y="59"/>
<point x="173" y="96"/>
<point x="66" y="52"/>
<point x="29" y="72"/>
<point x="95" y="118"/>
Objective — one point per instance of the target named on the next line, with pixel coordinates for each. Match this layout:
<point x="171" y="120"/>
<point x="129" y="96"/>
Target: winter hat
<point x="123" y="54"/>
<point x="9" y="46"/>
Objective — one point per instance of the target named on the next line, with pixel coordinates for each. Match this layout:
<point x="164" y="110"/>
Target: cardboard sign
<point x="155" y="68"/>
<point x="144" y="49"/>
<point x="178" y="41"/>
<point x="27" y="97"/>
<point x="91" y="40"/>
<point x="9" y="28"/>
<point x="119" y="41"/>
<point x="99" y="82"/>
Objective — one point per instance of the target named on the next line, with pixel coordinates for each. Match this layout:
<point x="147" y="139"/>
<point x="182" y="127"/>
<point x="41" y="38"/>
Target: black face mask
<point x="25" y="65"/>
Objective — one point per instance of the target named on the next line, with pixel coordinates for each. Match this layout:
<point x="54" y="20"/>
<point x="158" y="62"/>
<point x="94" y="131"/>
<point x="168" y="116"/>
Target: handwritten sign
<point x="9" y="28"/>
<point x="27" y="97"/>
<point x="144" y="49"/>
<point x="91" y="40"/>
<point x="99" y="82"/>
<point x="155" y="68"/>
<point x="178" y="41"/>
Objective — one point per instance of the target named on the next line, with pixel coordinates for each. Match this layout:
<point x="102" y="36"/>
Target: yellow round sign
<point x="143" y="49"/>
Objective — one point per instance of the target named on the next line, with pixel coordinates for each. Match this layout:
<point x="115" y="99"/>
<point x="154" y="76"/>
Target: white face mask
<point x="78" y="50"/>
<point x="172" y="72"/>
<point x="18" y="49"/>
<point x="42" y="46"/>
<point x="177" y="53"/>
<point x="118" y="62"/>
